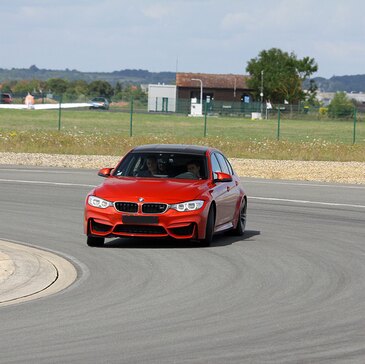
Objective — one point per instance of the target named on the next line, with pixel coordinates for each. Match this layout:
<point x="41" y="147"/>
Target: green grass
<point x="108" y="133"/>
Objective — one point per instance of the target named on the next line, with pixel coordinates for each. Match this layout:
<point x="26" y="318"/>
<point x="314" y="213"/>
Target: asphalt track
<point x="290" y="291"/>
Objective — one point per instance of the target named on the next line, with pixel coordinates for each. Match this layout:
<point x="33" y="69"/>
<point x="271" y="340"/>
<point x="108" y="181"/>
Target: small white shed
<point x="162" y="98"/>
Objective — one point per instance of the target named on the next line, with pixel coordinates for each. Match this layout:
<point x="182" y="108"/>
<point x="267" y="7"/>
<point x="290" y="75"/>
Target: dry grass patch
<point x="79" y="143"/>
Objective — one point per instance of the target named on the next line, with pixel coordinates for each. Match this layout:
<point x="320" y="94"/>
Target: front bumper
<point x="178" y="225"/>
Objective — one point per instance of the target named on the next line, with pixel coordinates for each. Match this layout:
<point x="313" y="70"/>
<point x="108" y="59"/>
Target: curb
<point x="28" y="273"/>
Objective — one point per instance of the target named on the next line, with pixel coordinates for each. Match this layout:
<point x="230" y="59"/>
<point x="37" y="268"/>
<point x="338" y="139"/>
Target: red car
<point x="5" y="98"/>
<point x="178" y="191"/>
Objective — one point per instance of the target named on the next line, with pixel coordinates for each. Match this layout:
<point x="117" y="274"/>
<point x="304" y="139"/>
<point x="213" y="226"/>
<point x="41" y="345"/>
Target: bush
<point x="341" y="106"/>
<point x="323" y="111"/>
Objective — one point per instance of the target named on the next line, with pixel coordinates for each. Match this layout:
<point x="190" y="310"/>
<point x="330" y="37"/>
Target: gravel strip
<point x="341" y="172"/>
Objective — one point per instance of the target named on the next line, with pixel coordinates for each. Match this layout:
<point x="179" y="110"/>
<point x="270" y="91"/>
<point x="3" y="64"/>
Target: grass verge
<point x="78" y="143"/>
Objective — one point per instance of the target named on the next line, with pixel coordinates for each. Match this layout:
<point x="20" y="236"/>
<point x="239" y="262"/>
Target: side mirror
<point x="105" y="172"/>
<point x="222" y="177"/>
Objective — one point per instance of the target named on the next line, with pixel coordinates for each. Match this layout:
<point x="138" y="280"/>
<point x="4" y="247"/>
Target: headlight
<point x="188" y="206"/>
<point x="98" y="202"/>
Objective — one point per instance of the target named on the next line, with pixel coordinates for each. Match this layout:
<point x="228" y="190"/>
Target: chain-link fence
<point x="234" y="120"/>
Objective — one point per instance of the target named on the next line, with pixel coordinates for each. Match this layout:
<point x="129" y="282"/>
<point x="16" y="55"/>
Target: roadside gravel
<point x="341" y="172"/>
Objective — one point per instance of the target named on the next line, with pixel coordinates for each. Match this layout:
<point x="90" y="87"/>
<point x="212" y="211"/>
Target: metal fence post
<point x="205" y="119"/>
<point x="131" y="119"/>
<point x="354" y="131"/>
<point x="59" y="114"/>
<point x="278" y="130"/>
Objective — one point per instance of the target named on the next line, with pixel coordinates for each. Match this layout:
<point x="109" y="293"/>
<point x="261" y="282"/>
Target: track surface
<point x="291" y="291"/>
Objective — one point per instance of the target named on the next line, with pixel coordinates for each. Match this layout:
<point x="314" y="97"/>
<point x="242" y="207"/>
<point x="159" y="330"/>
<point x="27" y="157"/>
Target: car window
<point x="222" y="163"/>
<point x="229" y="167"/>
<point x="162" y="165"/>
<point x="215" y="164"/>
<point x="227" y="163"/>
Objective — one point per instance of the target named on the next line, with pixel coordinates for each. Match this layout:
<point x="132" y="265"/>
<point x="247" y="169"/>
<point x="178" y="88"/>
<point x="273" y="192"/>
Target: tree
<point x="100" y="88"/>
<point x="25" y="86"/>
<point x="341" y="106"/>
<point x="57" y="85"/>
<point x="134" y="91"/>
<point x="280" y="74"/>
<point x="76" y="90"/>
<point x="118" y="88"/>
<point x="311" y="94"/>
<point x="7" y="86"/>
<point x="79" y="87"/>
<point x="118" y="92"/>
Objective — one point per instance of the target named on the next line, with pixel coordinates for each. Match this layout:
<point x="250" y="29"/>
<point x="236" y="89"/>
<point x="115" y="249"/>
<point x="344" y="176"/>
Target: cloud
<point x="206" y="35"/>
<point x="232" y="21"/>
<point x="157" y="11"/>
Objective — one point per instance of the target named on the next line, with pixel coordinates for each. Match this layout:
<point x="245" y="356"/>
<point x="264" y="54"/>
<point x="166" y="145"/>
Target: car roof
<point x="173" y="148"/>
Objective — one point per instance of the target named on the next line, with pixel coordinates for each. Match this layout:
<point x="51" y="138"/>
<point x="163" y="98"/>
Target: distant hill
<point x="354" y="83"/>
<point x="123" y="76"/>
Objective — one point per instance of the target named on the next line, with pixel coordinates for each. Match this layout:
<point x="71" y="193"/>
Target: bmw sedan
<point x="156" y="191"/>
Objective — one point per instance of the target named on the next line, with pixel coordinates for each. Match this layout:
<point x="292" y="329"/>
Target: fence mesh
<point x="234" y="120"/>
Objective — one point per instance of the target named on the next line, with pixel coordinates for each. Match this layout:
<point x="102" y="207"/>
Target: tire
<point x="241" y="223"/>
<point x="94" y="241"/>
<point x="209" y="231"/>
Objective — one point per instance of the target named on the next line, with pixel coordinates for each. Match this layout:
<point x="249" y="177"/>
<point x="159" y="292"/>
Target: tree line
<point x="274" y="76"/>
<point x="72" y="90"/>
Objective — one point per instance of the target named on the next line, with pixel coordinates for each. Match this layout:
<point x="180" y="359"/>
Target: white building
<point x="162" y="98"/>
<point x="326" y="97"/>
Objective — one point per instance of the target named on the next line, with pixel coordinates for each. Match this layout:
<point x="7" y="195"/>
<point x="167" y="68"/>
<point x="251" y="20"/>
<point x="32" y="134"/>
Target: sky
<point x="202" y="36"/>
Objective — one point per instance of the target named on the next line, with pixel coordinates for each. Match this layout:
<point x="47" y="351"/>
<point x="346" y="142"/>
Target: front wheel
<point x="241" y="223"/>
<point x="95" y="241"/>
<point x="209" y="231"/>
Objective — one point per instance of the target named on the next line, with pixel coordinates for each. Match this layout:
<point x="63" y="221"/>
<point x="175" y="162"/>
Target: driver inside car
<point x="194" y="167"/>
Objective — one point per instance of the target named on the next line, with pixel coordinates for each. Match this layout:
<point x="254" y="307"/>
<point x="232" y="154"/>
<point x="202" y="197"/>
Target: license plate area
<point x="127" y="219"/>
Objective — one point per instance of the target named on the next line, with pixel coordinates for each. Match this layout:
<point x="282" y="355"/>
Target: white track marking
<point x="305" y="202"/>
<point x="46" y="183"/>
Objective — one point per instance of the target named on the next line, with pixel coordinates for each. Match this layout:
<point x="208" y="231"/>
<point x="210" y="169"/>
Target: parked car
<point x="5" y="98"/>
<point x="99" y="103"/>
<point x="179" y="191"/>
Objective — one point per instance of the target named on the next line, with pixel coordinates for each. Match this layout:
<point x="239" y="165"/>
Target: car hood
<point x="151" y="189"/>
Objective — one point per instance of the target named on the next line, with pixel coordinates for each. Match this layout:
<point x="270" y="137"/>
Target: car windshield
<point x="162" y="165"/>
